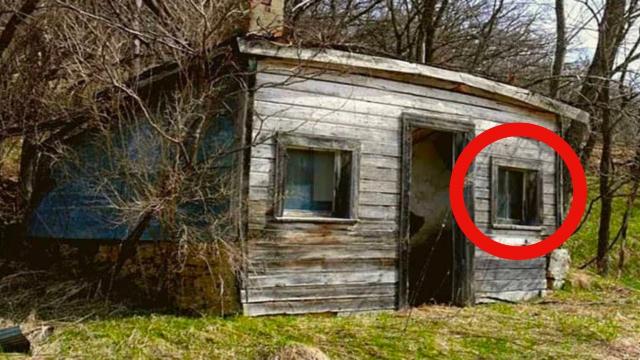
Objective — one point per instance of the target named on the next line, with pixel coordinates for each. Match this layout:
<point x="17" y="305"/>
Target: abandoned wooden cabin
<point x="348" y="196"/>
<point x="346" y="187"/>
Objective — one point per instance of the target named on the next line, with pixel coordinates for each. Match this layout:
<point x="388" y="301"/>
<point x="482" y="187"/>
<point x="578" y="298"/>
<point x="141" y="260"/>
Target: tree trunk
<point x="561" y="49"/>
<point x="625" y="225"/>
<point x="610" y="29"/>
<point x="427" y="31"/>
<point x="635" y="187"/>
<point x="605" y="189"/>
<point x="594" y="98"/>
<point x="11" y="27"/>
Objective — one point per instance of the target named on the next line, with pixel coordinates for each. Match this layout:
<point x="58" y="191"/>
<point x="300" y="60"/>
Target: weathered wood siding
<point x="307" y="267"/>
<point x="503" y="279"/>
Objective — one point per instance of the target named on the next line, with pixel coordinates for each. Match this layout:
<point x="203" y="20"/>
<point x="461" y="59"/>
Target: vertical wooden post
<point x="405" y="191"/>
<point x="464" y="250"/>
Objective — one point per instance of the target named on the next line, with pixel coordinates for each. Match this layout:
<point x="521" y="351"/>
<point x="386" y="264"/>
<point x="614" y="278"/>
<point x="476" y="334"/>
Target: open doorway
<point x="436" y="264"/>
<point x="431" y="247"/>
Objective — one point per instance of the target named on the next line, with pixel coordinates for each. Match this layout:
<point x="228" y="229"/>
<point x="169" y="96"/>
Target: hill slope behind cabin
<point x="583" y="244"/>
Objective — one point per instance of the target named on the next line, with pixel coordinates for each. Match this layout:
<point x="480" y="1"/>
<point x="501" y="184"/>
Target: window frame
<point x="286" y="141"/>
<point x="517" y="164"/>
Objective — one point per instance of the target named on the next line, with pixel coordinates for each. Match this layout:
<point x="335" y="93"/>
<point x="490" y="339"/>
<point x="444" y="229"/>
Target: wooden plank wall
<point x="307" y="267"/>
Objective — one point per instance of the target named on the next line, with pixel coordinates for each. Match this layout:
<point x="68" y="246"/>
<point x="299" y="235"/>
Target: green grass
<point x="584" y="243"/>
<point x="571" y="324"/>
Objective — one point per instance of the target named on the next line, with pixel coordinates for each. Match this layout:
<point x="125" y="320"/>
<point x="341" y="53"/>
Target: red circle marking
<point x="578" y="180"/>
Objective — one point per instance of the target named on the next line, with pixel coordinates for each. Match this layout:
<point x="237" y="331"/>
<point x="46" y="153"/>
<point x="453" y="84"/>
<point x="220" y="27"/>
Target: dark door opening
<point x="431" y="235"/>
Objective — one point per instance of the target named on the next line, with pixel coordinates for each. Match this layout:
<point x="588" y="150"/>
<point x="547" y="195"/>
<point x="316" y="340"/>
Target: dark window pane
<point x="517" y="196"/>
<point x="531" y="215"/>
<point x="309" y="180"/>
<point x="343" y="193"/>
<point x="510" y="195"/>
<point x="503" y="194"/>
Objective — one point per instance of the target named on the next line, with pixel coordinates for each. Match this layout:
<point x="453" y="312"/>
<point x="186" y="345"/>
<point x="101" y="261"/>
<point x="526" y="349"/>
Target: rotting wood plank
<point x="510" y="285"/>
<point x="354" y="233"/>
<point x="483" y="263"/>
<point x="278" y="266"/>
<point x="377" y="198"/>
<point x="307" y="127"/>
<point x="373" y="95"/>
<point x="301" y="240"/>
<point x="359" y="227"/>
<point x="379" y="212"/>
<point x="510" y="296"/>
<point x="313" y="114"/>
<point x="289" y="74"/>
<point x="367" y="103"/>
<point x="322" y="252"/>
<point x="511" y="274"/>
<point x="321" y="278"/>
<point x="386" y="187"/>
<point x="320" y="292"/>
<point x="319" y="306"/>
<point x="379" y="173"/>
<point x="354" y="61"/>
<point x="380" y="161"/>
<point x="409" y="73"/>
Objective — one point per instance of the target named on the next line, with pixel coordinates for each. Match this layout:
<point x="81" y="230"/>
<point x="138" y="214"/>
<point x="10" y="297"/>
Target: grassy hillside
<point x="583" y="244"/>
<point x="571" y="324"/>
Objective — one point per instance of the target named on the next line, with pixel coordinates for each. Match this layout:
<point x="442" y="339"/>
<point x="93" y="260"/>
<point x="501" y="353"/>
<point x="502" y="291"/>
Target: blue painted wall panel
<point x="74" y="209"/>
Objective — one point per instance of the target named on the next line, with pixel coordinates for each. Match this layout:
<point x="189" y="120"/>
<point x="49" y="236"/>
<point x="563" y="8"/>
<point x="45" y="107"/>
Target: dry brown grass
<point x="299" y="352"/>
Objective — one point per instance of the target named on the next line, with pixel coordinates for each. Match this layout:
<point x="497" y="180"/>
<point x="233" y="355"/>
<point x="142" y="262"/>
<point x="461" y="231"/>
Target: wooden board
<point x="320" y="306"/>
<point x="298" y="267"/>
<point x="370" y="64"/>
<point x="509" y="296"/>
<point x="320" y="292"/>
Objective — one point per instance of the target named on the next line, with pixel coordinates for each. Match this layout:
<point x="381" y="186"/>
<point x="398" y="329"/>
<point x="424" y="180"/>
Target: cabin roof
<point x="417" y="73"/>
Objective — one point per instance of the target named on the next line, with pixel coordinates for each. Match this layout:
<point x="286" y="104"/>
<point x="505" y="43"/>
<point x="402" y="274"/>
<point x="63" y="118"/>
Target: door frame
<point x="463" y="130"/>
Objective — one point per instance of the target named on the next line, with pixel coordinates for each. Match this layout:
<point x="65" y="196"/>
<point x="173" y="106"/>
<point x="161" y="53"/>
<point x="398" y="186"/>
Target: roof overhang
<point x="461" y="81"/>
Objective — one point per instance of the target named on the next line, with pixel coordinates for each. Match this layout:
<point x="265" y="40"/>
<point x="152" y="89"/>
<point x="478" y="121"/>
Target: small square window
<point x="317" y="178"/>
<point x="517" y="196"/>
<point x="517" y="193"/>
